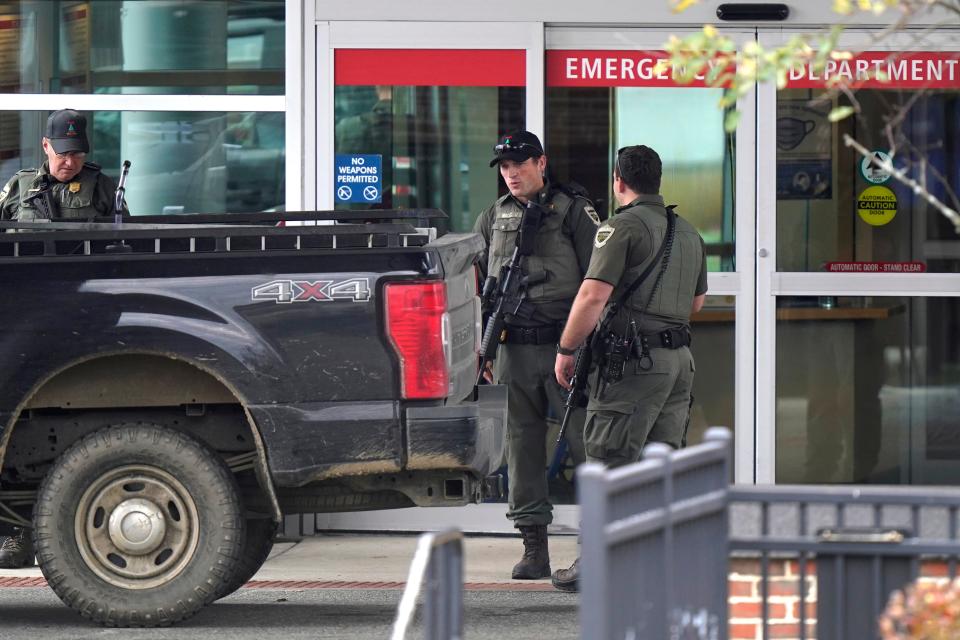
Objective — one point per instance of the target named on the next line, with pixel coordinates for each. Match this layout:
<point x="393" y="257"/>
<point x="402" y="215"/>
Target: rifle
<point x="578" y="382"/>
<point x="507" y="295"/>
<point x="44" y="199"/>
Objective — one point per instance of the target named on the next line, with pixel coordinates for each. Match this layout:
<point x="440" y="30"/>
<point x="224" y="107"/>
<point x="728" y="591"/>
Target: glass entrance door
<point x="605" y="90"/>
<point x="858" y="275"/>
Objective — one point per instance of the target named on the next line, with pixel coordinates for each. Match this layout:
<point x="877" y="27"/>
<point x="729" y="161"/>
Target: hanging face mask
<point x="792" y="131"/>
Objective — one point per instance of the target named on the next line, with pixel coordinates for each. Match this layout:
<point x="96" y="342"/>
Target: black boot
<point x="568" y="579"/>
<point x="535" y="563"/>
<point x="17" y="552"/>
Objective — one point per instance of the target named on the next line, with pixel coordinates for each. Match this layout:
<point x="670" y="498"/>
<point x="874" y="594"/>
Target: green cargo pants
<point x="652" y="405"/>
<point x="527" y="371"/>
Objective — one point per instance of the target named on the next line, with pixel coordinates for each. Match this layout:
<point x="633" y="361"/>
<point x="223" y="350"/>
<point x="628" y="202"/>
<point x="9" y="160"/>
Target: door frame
<point x="527" y="36"/>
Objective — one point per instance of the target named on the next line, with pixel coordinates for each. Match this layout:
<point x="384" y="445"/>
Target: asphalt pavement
<point x="329" y="586"/>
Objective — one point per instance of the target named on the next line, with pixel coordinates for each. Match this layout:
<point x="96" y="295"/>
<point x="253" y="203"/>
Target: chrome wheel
<point x="137" y="527"/>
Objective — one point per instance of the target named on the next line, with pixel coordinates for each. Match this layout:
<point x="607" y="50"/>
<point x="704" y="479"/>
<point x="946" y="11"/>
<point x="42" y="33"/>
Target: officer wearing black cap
<point x="65" y="186"/>
<point x="525" y="361"/>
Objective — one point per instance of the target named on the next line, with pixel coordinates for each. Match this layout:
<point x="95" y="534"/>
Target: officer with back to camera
<point x="65" y="187"/>
<point x="525" y="360"/>
<point x="641" y="389"/>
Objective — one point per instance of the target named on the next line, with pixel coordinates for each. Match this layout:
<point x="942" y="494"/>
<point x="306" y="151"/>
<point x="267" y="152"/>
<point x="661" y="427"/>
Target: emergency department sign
<point x="358" y="178"/>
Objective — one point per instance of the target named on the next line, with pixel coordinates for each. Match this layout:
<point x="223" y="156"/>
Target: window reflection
<point x="833" y="207"/>
<point x="435" y="141"/>
<point x="714" y="355"/>
<point x="869" y="391"/>
<point x="182" y="162"/>
<point x="142" y="46"/>
<point x="585" y="126"/>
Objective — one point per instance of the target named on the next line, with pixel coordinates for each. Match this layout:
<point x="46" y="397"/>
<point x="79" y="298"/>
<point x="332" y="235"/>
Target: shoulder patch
<point x="604" y="234"/>
<point x="592" y="213"/>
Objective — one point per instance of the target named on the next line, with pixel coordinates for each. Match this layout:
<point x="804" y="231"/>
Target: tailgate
<point x="458" y="254"/>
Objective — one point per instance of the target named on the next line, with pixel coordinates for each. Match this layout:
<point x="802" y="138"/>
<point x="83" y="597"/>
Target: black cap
<point x="67" y="131"/>
<point x="517" y="146"/>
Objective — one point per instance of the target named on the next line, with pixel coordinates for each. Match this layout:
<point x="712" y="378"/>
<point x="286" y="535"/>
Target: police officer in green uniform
<point x="525" y="359"/>
<point x="645" y="397"/>
<point x="65" y="187"/>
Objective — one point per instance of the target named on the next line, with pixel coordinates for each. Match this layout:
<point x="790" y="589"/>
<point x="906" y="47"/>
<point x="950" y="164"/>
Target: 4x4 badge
<point x="283" y="291"/>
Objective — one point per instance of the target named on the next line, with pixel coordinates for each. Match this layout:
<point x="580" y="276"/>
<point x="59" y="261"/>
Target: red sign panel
<point x="907" y="70"/>
<point x="591" y="68"/>
<point x="431" y="67"/>
<point x="876" y="267"/>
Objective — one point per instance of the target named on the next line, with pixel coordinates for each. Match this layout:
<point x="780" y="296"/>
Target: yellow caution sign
<point x="877" y="205"/>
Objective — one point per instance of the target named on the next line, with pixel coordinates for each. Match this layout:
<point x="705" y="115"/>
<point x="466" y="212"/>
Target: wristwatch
<point x="566" y="352"/>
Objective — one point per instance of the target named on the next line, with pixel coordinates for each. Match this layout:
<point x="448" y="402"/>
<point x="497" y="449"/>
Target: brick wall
<point x="783" y="597"/>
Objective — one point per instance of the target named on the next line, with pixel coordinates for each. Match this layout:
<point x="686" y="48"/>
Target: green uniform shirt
<point x="89" y="194"/>
<point x="562" y="251"/>
<point x="626" y="244"/>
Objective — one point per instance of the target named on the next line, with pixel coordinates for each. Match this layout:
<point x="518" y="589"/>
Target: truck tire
<point x="260" y="533"/>
<point x="138" y="525"/>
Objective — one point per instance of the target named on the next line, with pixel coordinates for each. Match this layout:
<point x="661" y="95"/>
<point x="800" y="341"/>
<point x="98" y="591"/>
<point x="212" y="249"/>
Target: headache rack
<point x="220" y="233"/>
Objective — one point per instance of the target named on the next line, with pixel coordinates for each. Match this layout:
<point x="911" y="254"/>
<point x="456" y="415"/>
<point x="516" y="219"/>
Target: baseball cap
<point x="517" y="146"/>
<point x="67" y="131"/>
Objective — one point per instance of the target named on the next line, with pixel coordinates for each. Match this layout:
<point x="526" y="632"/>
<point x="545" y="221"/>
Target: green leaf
<point x="839" y="113"/>
<point x="730" y="121"/>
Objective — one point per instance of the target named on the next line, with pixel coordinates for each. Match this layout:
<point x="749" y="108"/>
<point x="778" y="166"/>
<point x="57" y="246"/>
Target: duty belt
<point x="547" y="334"/>
<point x="672" y="338"/>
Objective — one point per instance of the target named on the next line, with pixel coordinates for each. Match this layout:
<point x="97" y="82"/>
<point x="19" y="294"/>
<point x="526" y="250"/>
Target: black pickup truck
<point x="169" y="391"/>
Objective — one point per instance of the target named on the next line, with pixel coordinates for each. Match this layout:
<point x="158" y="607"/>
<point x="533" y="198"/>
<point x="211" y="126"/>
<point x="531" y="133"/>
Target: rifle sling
<point x="671" y="228"/>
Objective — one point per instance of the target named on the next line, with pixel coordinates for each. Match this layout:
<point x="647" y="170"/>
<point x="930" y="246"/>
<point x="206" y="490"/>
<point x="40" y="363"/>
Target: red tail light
<point x="415" y="323"/>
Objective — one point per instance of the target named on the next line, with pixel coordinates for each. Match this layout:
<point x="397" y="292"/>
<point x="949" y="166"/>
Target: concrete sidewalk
<point x="386" y="558"/>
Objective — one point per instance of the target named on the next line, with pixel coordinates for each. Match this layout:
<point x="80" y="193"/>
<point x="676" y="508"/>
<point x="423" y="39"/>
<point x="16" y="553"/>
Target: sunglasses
<point x="517" y="146"/>
<point x="74" y="155"/>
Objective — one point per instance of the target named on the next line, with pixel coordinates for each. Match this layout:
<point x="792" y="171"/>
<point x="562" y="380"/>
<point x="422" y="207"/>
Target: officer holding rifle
<point x="559" y="227"/>
<point x="66" y="186"/>
<point x="647" y="275"/>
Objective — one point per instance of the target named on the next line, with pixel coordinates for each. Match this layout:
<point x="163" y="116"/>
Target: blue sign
<point x="358" y="178"/>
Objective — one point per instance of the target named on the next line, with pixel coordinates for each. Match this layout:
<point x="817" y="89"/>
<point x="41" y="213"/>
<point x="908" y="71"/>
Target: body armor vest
<point x="76" y="198"/>
<point x="554" y="253"/>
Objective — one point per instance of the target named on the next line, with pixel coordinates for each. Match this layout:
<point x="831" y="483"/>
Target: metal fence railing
<point x="654" y="561"/>
<point x="437" y="571"/>
<point x="855" y="544"/>
<point x="660" y="539"/>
